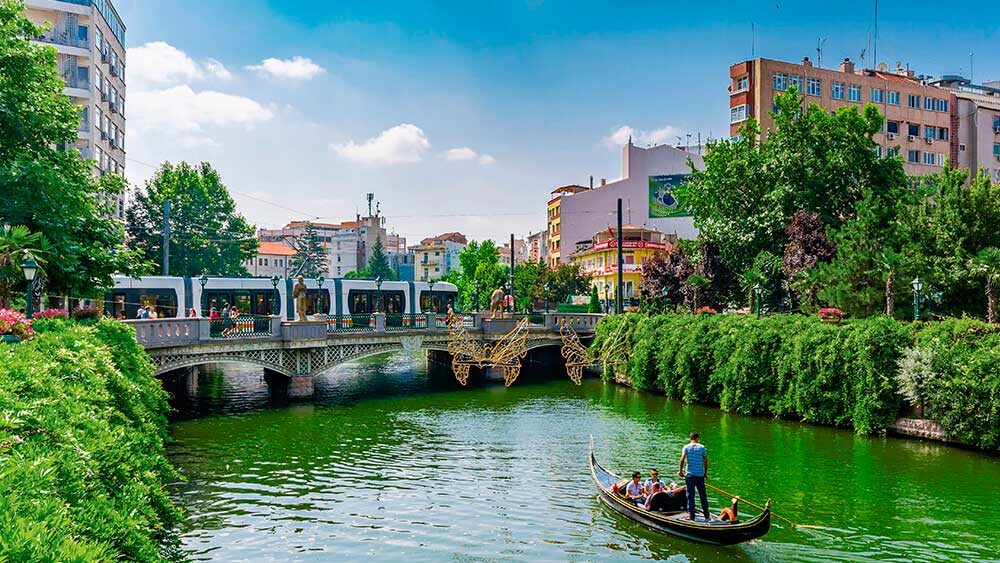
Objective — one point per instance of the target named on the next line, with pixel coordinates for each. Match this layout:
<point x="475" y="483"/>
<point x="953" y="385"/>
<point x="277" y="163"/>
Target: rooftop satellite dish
<point x="882" y="67"/>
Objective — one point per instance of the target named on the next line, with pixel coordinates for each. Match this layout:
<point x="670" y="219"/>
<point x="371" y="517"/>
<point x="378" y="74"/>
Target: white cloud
<point x="403" y="143"/>
<point x="621" y="135"/>
<point x="184" y="114"/>
<point x="297" y="68"/>
<point x="465" y="153"/>
<point x="161" y="64"/>
<point x="462" y="153"/>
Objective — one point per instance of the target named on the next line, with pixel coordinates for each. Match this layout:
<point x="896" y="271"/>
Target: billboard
<point x="663" y="201"/>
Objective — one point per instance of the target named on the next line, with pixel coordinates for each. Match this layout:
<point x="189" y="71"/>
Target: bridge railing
<point x="350" y="323"/>
<point x="243" y="326"/>
<point x="166" y="332"/>
<point x="402" y="322"/>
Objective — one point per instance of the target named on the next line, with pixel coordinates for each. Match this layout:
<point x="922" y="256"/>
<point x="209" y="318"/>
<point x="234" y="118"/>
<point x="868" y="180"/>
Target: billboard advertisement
<point x="663" y="201"/>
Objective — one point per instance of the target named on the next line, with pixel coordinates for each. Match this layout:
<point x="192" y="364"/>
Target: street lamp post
<point x="607" y="297"/>
<point x="918" y="286"/>
<point x="277" y="298"/>
<point x="430" y="299"/>
<point x="757" y="292"/>
<point x="30" y="270"/>
<point x="378" y="294"/>
<point x="665" y="294"/>
<point x="204" y="297"/>
<point x="548" y="288"/>
<point x="319" y="294"/>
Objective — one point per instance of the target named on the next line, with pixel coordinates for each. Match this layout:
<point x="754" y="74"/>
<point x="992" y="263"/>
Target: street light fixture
<point x="319" y="295"/>
<point x="758" y="291"/>
<point x="918" y="286"/>
<point x="378" y="294"/>
<point x="277" y="298"/>
<point x="548" y="288"/>
<point x="30" y="269"/>
<point x="430" y="300"/>
<point x="607" y="297"/>
<point x="204" y="298"/>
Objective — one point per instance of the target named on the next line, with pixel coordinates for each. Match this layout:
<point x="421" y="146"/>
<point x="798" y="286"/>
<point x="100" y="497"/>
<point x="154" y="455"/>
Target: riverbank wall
<point x="797" y="367"/>
<point x="83" y="467"/>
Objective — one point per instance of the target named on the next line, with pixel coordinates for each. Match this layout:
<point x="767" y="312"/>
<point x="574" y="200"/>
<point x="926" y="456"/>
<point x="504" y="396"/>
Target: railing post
<point x="431" y="321"/>
<point x="275" y="326"/>
<point x="380" y="323"/>
<point x="204" y="328"/>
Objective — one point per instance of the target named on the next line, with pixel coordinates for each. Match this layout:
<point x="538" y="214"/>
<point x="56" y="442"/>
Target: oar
<point x="778" y="516"/>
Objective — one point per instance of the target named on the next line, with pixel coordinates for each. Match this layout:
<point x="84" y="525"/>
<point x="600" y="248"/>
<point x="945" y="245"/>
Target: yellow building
<point x="600" y="261"/>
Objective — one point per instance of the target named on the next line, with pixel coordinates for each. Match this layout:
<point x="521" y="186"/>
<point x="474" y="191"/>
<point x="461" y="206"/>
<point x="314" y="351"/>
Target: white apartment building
<point x="89" y="38"/>
<point x="978" y="124"/>
<point x="343" y="243"/>
<point x="272" y="259"/>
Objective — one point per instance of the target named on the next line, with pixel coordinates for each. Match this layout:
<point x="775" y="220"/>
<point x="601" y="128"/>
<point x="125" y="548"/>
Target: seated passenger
<point x="673" y="489"/>
<point x="634" y="489"/>
<point x="657" y="487"/>
<point x="654" y="479"/>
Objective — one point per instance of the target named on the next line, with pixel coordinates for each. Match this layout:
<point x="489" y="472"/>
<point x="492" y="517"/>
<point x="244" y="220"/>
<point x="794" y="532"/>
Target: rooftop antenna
<point x="875" y="35"/>
<point x="679" y="140"/>
<point x="689" y="140"/>
<point x="370" y="197"/>
<point x="753" y="41"/>
<point x="970" y="66"/>
<point x="819" y="51"/>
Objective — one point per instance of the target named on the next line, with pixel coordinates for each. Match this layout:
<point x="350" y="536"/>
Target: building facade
<point x="520" y="252"/>
<point x="649" y="176"/>
<point x="342" y="243"/>
<point x="89" y="39"/>
<point x="436" y="257"/>
<point x="920" y="119"/>
<point x="978" y="134"/>
<point x="537" y="246"/>
<point x="599" y="261"/>
<point x="273" y="259"/>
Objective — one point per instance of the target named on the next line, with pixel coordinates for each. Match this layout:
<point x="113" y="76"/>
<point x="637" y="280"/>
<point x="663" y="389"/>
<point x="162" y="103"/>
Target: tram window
<point x="242" y="302"/>
<point x="425" y="297"/>
<point x="163" y="303"/>
<point x="116" y="306"/>
<point x="359" y="303"/>
<point x="313" y="296"/>
<point x="392" y="302"/>
<point x="263" y="303"/>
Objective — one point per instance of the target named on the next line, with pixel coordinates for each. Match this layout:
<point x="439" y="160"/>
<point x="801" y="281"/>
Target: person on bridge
<point x="301" y="295"/>
<point x="696" y="457"/>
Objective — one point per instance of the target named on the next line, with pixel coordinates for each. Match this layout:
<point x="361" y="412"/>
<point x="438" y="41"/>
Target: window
<point x="892" y="152"/>
<point x="940" y="159"/>
<point x="837" y="90"/>
<point x="738" y="114"/>
<point x="98" y="118"/>
<point x="996" y="149"/>
<point x="741" y="84"/>
<point x="929" y="158"/>
<point x="114" y="59"/>
<point x="98" y="38"/>
<point x="913" y="130"/>
<point x="893" y="98"/>
<point x="942" y="133"/>
<point x="942" y="106"/>
<point x="930" y="132"/>
<point x="854" y="93"/>
<point x="913" y="156"/>
<point x="878" y="150"/>
<point x="913" y="101"/>
<point x="814" y="87"/>
<point x="930" y="103"/>
<point x="877" y="96"/>
<point x="81" y="33"/>
<point x="892" y="127"/>
<point x="265" y="261"/>
<point x="780" y="81"/>
<point x="996" y="124"/>
<point x="795" y="80"/>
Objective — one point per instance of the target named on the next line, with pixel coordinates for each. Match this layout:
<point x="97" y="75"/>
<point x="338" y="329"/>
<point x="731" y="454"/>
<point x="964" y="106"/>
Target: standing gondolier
<point x="696" y="457"/>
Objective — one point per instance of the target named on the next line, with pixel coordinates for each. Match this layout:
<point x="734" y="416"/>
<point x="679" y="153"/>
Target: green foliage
<point x="565" y="281"/>
<point x="309" y="260"/>
<point x="207" y="235"/>
<point x="797" y="367"/>
<point x="916" y="373"/>
<point x="17" y="244"/>
<point x="530" y="285"/>
<point x="85" y="474"/>
<point x="480" y="265"/>
<point x="48" y="190"/>
<point x="378" y="265"/>
<point x="595" y="301"/>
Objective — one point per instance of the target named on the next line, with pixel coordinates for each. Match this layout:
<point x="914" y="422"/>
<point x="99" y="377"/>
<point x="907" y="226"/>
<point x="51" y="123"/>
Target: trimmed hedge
<point x="83" y="468"/>
<point x="798" y="367"/>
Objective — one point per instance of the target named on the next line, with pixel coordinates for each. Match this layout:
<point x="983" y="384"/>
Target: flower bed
<point x="831" y="314"/>
<point x="13" y="323"/>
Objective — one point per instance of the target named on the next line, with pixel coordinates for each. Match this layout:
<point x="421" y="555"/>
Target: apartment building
<point x="646" y="188"/>
<point x="978" y="134"/>
<point x="436" y="257"/>
<point x="537" y="246"/>
<point x="920" y="119"/>
<point x="520" y="252"/>
<point x="599" y="260"/>
<point x="89" y="39"/>
<point x="272" y="259"/>
<point x="343" y="243"/>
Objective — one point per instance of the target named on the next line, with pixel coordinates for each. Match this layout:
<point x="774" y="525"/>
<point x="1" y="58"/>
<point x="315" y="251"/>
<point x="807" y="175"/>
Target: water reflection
<point x="391" y="461"/>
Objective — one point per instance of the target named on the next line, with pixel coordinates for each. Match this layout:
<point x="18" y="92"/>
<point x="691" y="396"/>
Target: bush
<point x="15" y="323"/>
<point x="84" y="470"/>
<point x="86" y="314"/>
<point x="52" y="314"/>
<point x="798" y="367"/>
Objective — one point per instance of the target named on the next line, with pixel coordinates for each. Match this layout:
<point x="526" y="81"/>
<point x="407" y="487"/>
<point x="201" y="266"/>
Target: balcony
<point x="66" y="38"/>
<point x="74" y="80"/>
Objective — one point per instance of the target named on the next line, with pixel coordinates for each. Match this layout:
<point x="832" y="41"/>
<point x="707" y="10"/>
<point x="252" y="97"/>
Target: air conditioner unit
<point x="910" y="138"/>
<point x="929" y="141"/>
<point x="892" y="136"/>
<point x="104" y="134"/>
<point x="996" y="129"/>
<point x="104" y="55"/>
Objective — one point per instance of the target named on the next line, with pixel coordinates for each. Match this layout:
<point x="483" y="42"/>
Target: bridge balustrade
<point x="243" y="326"/>
<point x="350" y="323"/>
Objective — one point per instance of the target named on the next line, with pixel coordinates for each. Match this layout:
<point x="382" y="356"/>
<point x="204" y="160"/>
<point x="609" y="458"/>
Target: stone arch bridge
<point x="302" y="350"/>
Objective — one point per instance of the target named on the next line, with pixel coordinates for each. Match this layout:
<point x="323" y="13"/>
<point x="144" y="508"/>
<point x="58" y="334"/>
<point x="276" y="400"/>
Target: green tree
<point x="378" y="263"/>
<point x="207" y="235"/>
<point x="811" y="161"/>
<point x="480" y="263"/>
<point x="595" y="301"/>
<point x="697" y="283"/>
<point x="529" y="285"/>
<point x="566" y="281"/>
<point x="52" y="191"/>
<point x="310" y="259"/>
<point x="987" y="265"/>
<point x="17" y="244"/>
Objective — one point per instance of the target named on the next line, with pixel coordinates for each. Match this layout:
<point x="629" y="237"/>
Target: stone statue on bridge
<point x="496" y="302"/>
<point x="301" y="295"/>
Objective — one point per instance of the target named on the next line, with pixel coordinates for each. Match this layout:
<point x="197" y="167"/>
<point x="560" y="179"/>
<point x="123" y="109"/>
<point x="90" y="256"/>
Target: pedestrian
<point x="696" y="457"/>
<point x="140" y="313"/>
<point x="225" y="310"/>
<point x="192" y="314"/>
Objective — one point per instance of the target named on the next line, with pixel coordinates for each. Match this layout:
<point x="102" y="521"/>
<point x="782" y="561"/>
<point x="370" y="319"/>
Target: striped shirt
<point x="695" y="453"/>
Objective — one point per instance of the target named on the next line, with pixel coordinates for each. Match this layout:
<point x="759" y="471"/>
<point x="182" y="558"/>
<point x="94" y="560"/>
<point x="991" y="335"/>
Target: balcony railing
<point x="67" y="38"/>
<point x="74" y="80"/>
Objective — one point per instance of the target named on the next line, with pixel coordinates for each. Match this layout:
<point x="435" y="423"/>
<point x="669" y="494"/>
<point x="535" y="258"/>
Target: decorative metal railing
<point x="399" y="322"/>
<point x="243" y="326"/>
<point x="350" y="323"/>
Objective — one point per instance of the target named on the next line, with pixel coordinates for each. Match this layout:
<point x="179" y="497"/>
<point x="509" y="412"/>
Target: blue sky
<point x="463" y="116"/>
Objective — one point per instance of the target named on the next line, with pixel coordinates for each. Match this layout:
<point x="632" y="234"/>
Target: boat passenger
<point x="654" y="479"/>
<point x="673" y="489"/>
<point x="655" y="488"/>
<point x="634" y="489"/>
<point x="729" y="514"/>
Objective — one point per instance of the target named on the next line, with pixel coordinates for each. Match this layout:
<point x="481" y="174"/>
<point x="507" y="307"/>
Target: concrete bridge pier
<point x="294" y="387"/>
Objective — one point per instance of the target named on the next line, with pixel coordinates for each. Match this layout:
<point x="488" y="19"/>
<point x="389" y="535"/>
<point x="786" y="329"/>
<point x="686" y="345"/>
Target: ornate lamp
<point x="319" y="294"/>
<point x="378" y="294"/>
<point x="431" y="299"/>
<point x="758" y="291"/>
<point x="204" y="298"/>
<point x="30" y="269"/>
<point x="918" y="286"/>
<point x="274" y="284"/>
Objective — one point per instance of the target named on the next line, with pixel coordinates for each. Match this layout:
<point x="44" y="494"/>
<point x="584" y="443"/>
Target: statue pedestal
<point x="303" y="330"/>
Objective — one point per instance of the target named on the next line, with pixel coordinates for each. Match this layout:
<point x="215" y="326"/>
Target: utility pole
<point x="618" y="291"/>
<point x="166" y="237"/>
<point x="513" y="305"/>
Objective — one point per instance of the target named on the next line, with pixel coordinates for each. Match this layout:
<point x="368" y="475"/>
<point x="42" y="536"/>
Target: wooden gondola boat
<point x="668" y="514"/>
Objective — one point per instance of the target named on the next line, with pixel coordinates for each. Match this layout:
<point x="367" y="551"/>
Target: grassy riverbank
<point x="82" y="463"/>
<point x="797" y="367"/>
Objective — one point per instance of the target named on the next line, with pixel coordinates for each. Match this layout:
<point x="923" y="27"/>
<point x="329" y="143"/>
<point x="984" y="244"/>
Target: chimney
<point x="847" y="66"/>
<point x="604" y="182"/>
<point x="806" y="61"/>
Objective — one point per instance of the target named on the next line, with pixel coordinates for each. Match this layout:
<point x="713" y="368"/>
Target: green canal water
<point x="388" y="463"/>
